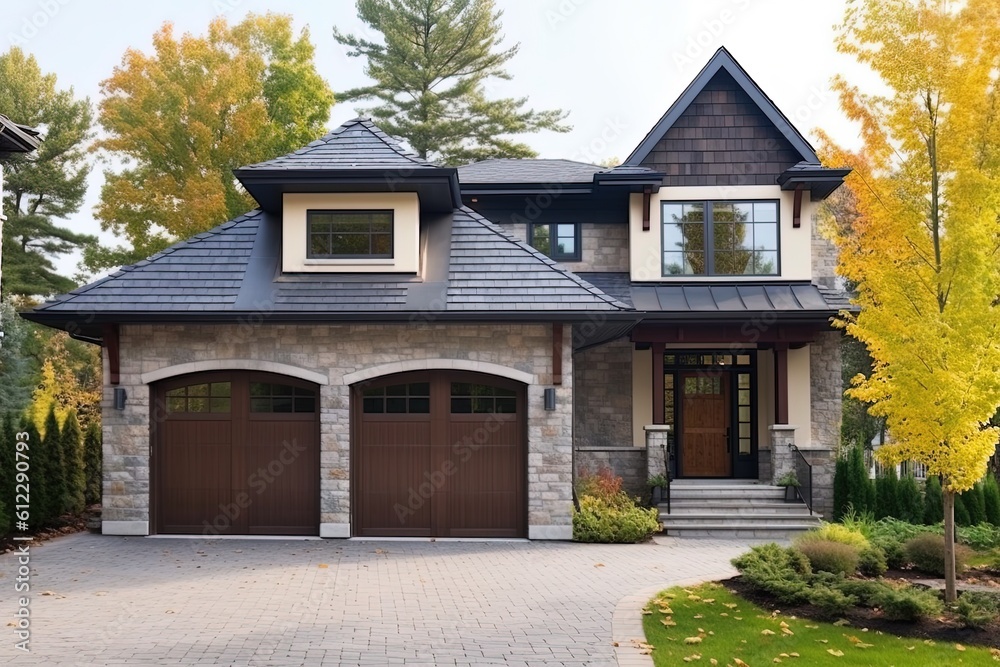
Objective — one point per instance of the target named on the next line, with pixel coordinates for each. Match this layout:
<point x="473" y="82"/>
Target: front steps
<point x="733" y="509"/>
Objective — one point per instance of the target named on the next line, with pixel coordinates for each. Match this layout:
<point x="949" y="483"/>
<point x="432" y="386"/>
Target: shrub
<point x="887" y="494"/>
<point x="991" y="499"/>
<point x="911" y="503"/>
<point x="977" y="610"/>
<point x="861" y="490"/>
<point x="896" y="529"/>
<point x="962" y="517"/>
<point x="975" y="504"/>
<point x="841" y="489"/>
<point x="858" y="522"/>
<point x="93" y="464"/>
<point x="776" y="570"/>
<point x="834" y="532"/>
<point x="867" y="592"/>
<point x="933" y="501"/>
<point x="831" y="602"/>
<point x="895" y="555"/>
<point x="982" y="537"/>
<point x="908" y="604"/>
<point x="74" y="477"/>
<point x="926" y="553"/>
<point x="872" y="562"/>
<point x="830" y="556"/>
<point x="603" y="484"/>
<point x="618" y="520"/>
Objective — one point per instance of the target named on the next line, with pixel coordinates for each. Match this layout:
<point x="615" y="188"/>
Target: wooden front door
<point x="705" y="447"/>
<point x="439" y="454"/>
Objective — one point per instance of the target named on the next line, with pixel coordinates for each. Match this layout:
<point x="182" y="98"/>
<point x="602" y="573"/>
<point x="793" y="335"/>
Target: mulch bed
<point x="67" y="525"/>
<point x="946" y="629"/>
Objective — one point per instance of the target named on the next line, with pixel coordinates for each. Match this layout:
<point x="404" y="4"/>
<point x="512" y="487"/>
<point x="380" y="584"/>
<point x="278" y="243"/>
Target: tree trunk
<point x="949" y="545"/>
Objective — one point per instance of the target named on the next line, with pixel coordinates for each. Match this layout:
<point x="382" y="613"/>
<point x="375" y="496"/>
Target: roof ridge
<point x="547" y="261"/>
<point x="370" y="125"/>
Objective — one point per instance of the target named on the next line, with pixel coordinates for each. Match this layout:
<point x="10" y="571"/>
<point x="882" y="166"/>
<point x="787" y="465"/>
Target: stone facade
<point x="629" y="463"/>
<point x="826" y="399"/>
<point x="604" y="247"/>
<point x="824" y="255"/>
<point x="603" y="396"/>
<point x="521" y="351"/>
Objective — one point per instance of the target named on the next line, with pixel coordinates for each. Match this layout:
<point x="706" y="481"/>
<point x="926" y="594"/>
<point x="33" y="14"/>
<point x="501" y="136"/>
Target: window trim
<point x="575" y="256"/>
<point x="310" y="255"/>
<point x="710" y="239"/>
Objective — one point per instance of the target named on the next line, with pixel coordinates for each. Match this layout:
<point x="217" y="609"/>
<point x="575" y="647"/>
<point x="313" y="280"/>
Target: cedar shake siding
<point x="722" y="138"/>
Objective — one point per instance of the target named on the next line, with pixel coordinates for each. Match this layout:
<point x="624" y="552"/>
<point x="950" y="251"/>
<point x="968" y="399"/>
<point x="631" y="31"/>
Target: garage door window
<point x="470" y="398"/>
<point x="268" y="397"/>
<point x="413" y="398"/>
<point x="200" y="398"/>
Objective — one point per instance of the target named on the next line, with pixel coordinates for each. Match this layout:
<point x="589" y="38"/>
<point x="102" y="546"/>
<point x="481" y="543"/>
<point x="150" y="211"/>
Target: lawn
<point x="708" y="625"/>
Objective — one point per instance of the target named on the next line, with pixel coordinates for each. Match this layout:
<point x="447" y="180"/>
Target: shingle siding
<point x="722" y="138"/>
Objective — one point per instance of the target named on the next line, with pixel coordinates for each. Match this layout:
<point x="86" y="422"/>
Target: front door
<point x="705" y="444"/>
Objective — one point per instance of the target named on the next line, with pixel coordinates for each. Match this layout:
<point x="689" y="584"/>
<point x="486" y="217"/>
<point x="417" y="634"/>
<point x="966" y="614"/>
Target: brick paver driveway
<point x="140" y="601"/>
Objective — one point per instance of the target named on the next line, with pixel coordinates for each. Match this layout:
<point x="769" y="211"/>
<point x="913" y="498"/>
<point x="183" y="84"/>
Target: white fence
<point x="876" y="468"/>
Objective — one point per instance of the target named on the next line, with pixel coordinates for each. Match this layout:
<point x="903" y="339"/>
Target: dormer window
<point x="720" y="238"/>
<point x="349" y="234"/>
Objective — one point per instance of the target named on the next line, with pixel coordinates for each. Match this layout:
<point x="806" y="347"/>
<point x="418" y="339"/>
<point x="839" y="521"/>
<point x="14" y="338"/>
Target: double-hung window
<point x="720" y="238"/>
<point x="349" y="234"/>
<point x="559" y="240"/>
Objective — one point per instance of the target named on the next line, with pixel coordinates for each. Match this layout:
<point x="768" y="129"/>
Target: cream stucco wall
<point x="799" y="390"/>
<point x="645" y="252"/>
<point x="765" y="396"/>
<point x="405" y="232"/>
<point x="642" y="394"/>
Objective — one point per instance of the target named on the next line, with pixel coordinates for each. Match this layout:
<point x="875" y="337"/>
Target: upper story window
<point x="720" y="238"/>
<point x="349" y="234"/>
<point x="558" y="240"/>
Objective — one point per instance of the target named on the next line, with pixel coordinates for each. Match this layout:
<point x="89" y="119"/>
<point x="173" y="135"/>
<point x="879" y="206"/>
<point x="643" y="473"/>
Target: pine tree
<point x="911" y="503"/>
<point x="975" y="503"/>
<point x="933" y="501"/>
<point x="962" y="517"/>
<point x="55" y="471"/>
<point x="430" y="68"/>
<point x="991" y="499"/>
<point x="71" y="444"/>
<point x="861" y="491"/>
<point x="887" y="494"/>
<point x="841" y="488"/>
<point x="93" y="459"/>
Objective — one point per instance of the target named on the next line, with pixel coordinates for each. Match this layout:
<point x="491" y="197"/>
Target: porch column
<point x="781" y="383"/>
<point x="657" y="436"/>
<point x="658" y="411"/>
<point x="782" y="440"/>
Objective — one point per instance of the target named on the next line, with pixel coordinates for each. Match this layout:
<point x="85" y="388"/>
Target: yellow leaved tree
<point x="924" y="251"/>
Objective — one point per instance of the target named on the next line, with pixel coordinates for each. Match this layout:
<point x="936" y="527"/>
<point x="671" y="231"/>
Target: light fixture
<point x="550" y="398"/>
<point x="120" y="397"/>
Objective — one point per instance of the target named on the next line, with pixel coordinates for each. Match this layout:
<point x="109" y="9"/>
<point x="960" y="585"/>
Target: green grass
<point x="985" y="558"/>
<point x="731" y="628"/>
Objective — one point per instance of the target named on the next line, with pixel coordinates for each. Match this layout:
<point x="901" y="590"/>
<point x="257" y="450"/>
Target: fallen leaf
<point x="739" y="663"/>
<point x="823" y="641"/>
<point x="699" y="616"/>
<point x="694" y="598"/>
<point x="959" y="647"/>
<point x="730" y="605"/>
<point x="813" y="627"/>
<point x="786" y="631"/>
<point x="323" y="566"/>
<point x="666" y="610"/>
<point x="669" y="622"/>
<point x="794" y="655"/>
<point x="692" y="640"/>
<point x="835" y="652"/>
<point x="713" y="661"/>
<point x="708" y="600"/>
<point x="647" y="612"/>
<point x="777" y="660"/>
<point x="738" y="618"/>
<point x="767" y="632"/>
<point x="842" y="622"/>
<point x="783" y="624"/>
<point x="723" y="614"/>
<point x="598" y="564"/>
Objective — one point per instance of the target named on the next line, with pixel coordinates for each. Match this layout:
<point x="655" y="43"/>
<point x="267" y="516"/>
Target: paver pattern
<point x="101" y="600"/>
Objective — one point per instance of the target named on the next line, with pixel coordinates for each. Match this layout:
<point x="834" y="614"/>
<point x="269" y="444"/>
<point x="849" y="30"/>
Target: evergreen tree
<point x="39" y="472"/>
<point x="975" y="503"/>
<point x="991" y="499"/>
<point x="841" y="488"/>
<point x="933" y="501"/>
<point x="7" y="473"/>
<point x="93" y="459"/>
<point x="862" y="491"/>
<point x="430" y="68"/>
<point x="911" y="503"/>
<point x="55" y="470"/>
<point x="45" y="186"/>
<point x="962" y="517"/>
<point x="887" y="494"/>
<point x="71" y="444"/>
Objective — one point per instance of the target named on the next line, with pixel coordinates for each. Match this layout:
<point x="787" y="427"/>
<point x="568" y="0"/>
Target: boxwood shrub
<point x="620" y="520"/>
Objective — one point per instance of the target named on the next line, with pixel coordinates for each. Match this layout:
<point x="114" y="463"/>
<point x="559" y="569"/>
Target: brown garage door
<point x="439" y="454"/>
<point x="236" y="453"/>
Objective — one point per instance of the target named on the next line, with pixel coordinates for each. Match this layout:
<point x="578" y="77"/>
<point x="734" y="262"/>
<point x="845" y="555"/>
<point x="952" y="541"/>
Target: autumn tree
<point x="45" y="186"/>
<point x="69" y="379"/>
<point x="924" y="253"/>
<point x="182" y="118"/>
<point x="430" y="70"/>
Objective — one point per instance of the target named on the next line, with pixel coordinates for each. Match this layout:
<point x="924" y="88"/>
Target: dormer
<point x="352" y="201"/>
<point x="733" y="201"/>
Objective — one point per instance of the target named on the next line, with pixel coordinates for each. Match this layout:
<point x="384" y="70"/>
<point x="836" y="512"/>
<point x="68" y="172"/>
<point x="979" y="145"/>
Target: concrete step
<point x="785" y="532"/>
<point x="748" y="520"/>
<point x="716" y="507"/>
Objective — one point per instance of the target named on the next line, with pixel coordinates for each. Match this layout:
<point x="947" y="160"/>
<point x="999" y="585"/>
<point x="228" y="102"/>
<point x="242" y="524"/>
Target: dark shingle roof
<point x="522" y="170"/>
<point x="16" y="138"/>
<point x="789" y="298"/>
<point x="357" y="144"/>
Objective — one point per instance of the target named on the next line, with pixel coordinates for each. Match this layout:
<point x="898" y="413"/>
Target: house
<point x="14" y="139"/>
<point x="388" y="347"/>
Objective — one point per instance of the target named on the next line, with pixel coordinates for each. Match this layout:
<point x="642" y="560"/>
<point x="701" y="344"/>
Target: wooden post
<point x="658" y="412"/>
<point x="797" y="207"/>
<point x="646" y="192"/>
<point x="781" y="383"/>
<point x="557" y="352"/>
<point x="111" y="349"/>
<point x="949" y="543"/>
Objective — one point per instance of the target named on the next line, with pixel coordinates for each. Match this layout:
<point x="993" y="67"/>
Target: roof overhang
<point x="437" y="187"/>
<point x="15" y="138"/>
<point x="818" y="180"/>
<point x="647" y="182"/>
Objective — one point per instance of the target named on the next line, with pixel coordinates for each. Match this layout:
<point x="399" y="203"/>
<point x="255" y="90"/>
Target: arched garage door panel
<point x="440" y="453"/>
<point x="236" y="453"/>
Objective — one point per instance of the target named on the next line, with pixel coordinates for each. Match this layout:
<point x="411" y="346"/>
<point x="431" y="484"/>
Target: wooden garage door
<point x="439" y="454"/>
<point x="236" y="453"/>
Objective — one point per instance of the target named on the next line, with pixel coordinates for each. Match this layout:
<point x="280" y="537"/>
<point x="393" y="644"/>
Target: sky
<point x="615" y="65"/>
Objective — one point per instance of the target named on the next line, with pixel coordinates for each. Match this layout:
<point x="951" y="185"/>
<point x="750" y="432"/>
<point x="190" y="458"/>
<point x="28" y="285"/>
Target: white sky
<point x="615" y="65"/>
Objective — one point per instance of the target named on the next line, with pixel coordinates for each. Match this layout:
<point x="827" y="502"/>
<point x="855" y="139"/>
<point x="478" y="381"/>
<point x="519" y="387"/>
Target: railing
<point x="804" y="473"/>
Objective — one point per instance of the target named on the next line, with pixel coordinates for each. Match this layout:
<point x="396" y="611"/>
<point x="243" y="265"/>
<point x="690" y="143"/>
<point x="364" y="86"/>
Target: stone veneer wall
<point x="827" y="410"/>
<point x="604" y="247"/>
<point x="337" y="350"/>
<point x="629" y="463"/>
<point x="603" y="396"/>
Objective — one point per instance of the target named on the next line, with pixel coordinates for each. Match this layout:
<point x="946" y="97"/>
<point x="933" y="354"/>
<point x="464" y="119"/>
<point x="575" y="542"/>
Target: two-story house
<point x="388" y="347"/>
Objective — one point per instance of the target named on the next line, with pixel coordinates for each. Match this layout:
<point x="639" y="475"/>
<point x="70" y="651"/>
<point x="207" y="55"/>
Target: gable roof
<point x="357" y="144"/>
<point x="16" y="138"/>
<point x="528" y="170"/>
<point x="723" y="60"/>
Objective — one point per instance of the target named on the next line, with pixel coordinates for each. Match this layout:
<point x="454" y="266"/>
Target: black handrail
<point x="804" y="474"/>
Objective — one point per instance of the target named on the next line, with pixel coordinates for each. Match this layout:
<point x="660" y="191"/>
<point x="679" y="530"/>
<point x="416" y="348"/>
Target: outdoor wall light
<point x="550" y="398"/>
<point x="120" y="397"/>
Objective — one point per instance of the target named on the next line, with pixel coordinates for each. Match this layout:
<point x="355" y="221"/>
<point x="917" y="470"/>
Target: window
<point x="349" y="234"/>
<point x="470" y="398"/>
<point x="720" y="238"/>
<point x="268" y="397"/>
<point x="200" y="398"/>
<point x="413" y="398"/>
<point x="560" y="241"/>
